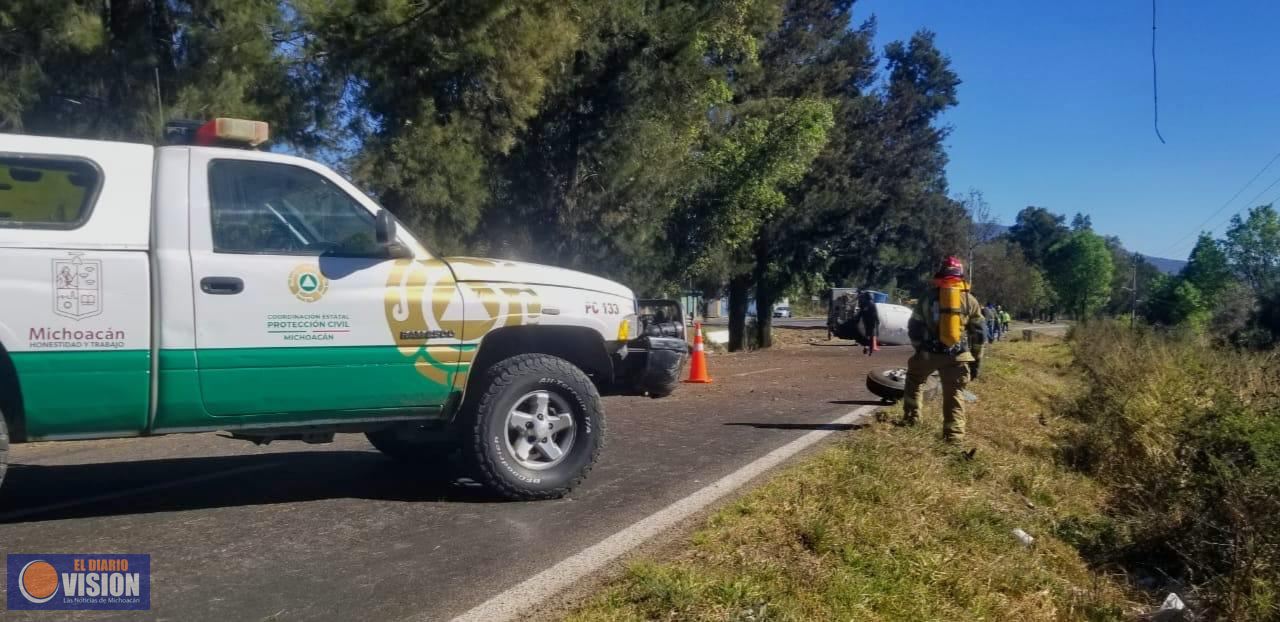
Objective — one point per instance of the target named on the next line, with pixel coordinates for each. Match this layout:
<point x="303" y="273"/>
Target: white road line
<point x="133" y="491"/>
<point x="758" y="371"/>
<point x="517" y="601"/>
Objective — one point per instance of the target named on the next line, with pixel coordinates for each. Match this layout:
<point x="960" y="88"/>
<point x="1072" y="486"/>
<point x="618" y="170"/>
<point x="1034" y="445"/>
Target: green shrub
<point x="1187" y="439"/>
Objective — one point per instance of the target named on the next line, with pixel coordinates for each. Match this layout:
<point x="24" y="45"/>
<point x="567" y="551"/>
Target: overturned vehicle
<point x="850" y="317"/>
<point x="858" y="317"/>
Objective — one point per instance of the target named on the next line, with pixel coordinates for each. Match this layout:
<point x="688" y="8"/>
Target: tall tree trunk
<point x="739" y="297"/>
<point x="766" y="295"/>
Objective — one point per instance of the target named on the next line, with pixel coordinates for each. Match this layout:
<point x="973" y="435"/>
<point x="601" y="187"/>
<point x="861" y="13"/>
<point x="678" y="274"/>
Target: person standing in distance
<point x="870" y="319"/>
<point x="947" y="330"/>
<point x="989" y="317"/>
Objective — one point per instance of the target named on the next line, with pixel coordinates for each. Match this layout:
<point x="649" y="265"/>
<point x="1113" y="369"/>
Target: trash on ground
<point x="1023" y="537"/>
<point x="1172" y="609"/>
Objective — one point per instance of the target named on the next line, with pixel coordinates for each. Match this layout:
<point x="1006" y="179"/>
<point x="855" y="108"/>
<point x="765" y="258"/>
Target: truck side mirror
<point x="385" y="234"/>
<point x="385" y="228"/>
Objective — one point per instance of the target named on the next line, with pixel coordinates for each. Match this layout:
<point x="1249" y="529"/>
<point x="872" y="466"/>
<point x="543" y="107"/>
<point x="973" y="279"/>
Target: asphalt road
<point x="337" y="532"/>
<point x="779" y="322"/>
<point x="1057" y="329"/>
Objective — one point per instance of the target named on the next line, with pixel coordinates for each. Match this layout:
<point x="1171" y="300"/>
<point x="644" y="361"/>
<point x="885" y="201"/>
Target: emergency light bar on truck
<point x="220" y="132"/>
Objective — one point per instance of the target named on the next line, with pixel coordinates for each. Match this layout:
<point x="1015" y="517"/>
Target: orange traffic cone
<point x="698" y="366"/>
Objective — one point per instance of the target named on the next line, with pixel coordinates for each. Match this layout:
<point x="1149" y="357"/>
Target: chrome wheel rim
<point x="539" y="430"/>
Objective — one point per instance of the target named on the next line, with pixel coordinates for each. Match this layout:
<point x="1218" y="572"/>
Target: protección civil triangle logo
<point x="79" y="582"/>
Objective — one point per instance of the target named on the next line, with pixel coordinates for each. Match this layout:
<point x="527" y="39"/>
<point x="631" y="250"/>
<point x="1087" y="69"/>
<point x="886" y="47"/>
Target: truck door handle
<point x="221" y="285"/>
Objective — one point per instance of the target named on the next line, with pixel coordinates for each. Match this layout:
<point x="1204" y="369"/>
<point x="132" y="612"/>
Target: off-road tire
<point x="425" y="453"/>
<point x="4" y="448"/>
<point x="663" y="391"/>
<point x="484" y="420"/>
<point x="890" y="390"/>
<point x="666" y="387"/>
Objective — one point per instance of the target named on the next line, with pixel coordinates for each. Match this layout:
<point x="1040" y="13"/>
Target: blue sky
<point x="1055" y="109"/>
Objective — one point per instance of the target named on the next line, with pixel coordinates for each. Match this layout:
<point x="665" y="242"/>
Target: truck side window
<point x="46" y="192"/>
<point x="279" y="209"/>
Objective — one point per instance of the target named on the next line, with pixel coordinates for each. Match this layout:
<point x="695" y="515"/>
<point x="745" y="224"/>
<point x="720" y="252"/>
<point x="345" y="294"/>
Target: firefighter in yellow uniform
<point x="947" y="331"/>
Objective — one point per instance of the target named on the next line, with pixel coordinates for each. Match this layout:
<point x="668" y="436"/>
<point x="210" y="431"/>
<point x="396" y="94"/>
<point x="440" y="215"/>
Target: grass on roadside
<point x="890" y="524"/>
<point x="1186" y="438"/>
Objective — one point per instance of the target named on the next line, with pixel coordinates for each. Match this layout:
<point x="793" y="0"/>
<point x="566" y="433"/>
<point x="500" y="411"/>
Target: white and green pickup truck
<point x="192" y="287"/>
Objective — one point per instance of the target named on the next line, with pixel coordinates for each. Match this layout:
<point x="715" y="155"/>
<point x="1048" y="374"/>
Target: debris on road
<point x="889" y="383"/>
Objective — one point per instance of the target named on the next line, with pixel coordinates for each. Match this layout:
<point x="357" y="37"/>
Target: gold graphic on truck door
<point x="424" y="303"/>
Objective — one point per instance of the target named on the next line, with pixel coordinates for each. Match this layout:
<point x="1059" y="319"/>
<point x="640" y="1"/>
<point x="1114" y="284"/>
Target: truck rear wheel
<point x="4" y="448"/>
<point x="536" y="427"/>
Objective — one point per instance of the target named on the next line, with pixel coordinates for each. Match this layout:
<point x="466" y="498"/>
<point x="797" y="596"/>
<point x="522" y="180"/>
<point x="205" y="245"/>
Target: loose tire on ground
<point x="889" y="384"/>
<point x="4" y="448"/>
<point x="661" y="376"/>
<point x="394" y="444"/>
<point x="537" y="390"/>
<point x="664" y="391"/>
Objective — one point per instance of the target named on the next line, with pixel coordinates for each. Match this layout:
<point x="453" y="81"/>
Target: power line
<point x="1200" y="227"/>
<point x="1250" y="203"/>
<point x="1253" y="204"/>
<point x="1272" y="201"/>
<point x="1155" y="90"/>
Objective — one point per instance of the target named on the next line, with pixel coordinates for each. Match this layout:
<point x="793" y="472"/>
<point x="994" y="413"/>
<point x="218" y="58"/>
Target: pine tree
<point x="105" y="69"/>
<point x="611" y="154"/>
<point x="1038" y="231"/>
<point x="899" y="221"/>
<point x="436" y="92"/>
<point x="815" y="54"/>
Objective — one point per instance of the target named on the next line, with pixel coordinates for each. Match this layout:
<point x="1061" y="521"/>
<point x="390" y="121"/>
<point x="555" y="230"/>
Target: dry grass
<point x="890" y="524"/>
<point x="1186" y="438"/>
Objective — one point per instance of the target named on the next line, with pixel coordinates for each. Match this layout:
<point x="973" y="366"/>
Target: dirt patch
<point x="809" y="336"/>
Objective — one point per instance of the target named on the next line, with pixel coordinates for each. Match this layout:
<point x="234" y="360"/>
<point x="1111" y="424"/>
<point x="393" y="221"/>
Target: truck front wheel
<point x="536" y="427"/>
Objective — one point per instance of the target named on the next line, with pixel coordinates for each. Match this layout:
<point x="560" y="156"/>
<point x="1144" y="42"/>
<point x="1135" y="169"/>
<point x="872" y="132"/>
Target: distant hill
<point x="1167" y="266"/>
